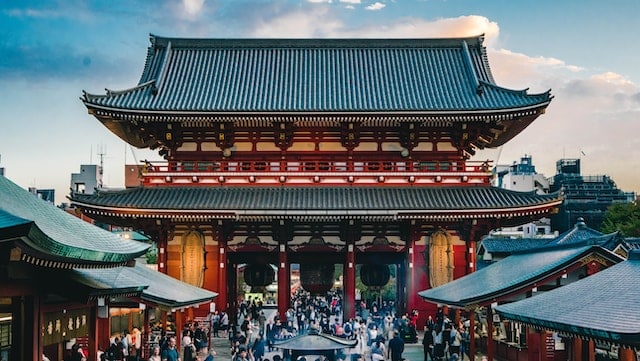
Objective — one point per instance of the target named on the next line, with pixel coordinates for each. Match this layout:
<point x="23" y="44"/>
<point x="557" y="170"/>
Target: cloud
<point x="193" y="7"/>
<point x="376" y="6"/>
<point x="351" y="1"/>
<point x="594" y="113"/>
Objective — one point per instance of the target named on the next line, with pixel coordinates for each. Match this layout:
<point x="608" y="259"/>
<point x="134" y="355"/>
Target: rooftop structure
<point x="586" y="197"/>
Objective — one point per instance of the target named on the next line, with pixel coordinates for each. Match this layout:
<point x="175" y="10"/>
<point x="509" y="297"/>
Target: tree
<point x="624" y="217"/>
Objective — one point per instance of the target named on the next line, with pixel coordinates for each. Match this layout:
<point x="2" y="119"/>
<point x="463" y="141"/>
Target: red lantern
<point x="258" y="275"/>
<point x="374" y="275"/>
<point x="316" y="278"/>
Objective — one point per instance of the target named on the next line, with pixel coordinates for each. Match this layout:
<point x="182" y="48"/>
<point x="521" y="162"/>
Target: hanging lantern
<point x="374" y="275"/>
<point x="316" y="278"/>
<point x="258" y="275"/>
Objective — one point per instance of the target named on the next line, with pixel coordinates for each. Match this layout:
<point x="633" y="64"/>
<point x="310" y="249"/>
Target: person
<point x="242" y="354"/>
<point x="211" y="355"/>
<point x="155" y="354"/>
<point x="427" y="344"/>
<point x="258" y="348"/>
<point x="396" y="347"/>
<point x="171" y="352"/>
<point x="455" y="342"/>
<point x="465" y="344"/>
<point x="190" y="352"/>
<point x="438" y="343"/>
<point x="135" y="343"/>
<point x="378" y="350"/>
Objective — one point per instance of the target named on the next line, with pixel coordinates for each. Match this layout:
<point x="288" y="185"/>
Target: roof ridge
<point x="176" y="42"/>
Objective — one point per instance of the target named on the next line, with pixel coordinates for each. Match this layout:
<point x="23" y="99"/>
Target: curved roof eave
<point x="343" y="113"/>
<point x="47" y="233"/>
<point x="453" y="293"/>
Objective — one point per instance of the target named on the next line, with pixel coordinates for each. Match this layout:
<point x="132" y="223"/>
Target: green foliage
<point x="624" y="217"/>
<point x="152" y="255"/>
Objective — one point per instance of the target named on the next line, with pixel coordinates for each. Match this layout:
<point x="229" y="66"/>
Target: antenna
<point x="102" y="152"/>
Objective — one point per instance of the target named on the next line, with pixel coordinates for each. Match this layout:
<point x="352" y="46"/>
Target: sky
<point x="587" y="52"/>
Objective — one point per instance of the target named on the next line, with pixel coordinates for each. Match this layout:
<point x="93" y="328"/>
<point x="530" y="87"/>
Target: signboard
<point x="550" y="345"/>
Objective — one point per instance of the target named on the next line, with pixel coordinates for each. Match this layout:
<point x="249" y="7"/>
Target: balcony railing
<point x="315" y="172"/>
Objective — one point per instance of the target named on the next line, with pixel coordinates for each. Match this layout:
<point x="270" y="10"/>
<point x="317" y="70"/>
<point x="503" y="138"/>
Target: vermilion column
<point x="222" y="302"/>
<point x="284" y="297"/>
<point x="350" y="284"/>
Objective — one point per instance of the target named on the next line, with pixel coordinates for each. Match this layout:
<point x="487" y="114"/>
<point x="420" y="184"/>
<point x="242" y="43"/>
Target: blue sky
<point x="586" y="52"/>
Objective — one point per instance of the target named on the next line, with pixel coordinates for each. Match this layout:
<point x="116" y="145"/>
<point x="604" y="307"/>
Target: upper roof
<point x="444" y="203"/>
<point x="158" y="288"/>
<point x="49" y="236"/>
<point x="516" y="273"/>
<point x="603" y="306"/>
<point x="217" y="76"/>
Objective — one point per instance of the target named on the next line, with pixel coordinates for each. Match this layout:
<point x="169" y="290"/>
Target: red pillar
<point x="284" y="287"/>
<point x="222" y="301"/>
<point x="350" y="284"/>
<point x="626" y="354"/>
<point x="472" y="334"/>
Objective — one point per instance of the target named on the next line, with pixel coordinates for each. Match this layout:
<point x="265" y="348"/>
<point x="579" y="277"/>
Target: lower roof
<point x="516" y="273"/>
<point x="159" y="289"/>
<point x="603" y="306"/>
<point x="45" y="235"/>
<point x="437" y="203"/>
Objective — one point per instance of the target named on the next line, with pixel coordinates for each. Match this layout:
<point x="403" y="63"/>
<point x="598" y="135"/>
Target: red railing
<point x="312" y="172"/>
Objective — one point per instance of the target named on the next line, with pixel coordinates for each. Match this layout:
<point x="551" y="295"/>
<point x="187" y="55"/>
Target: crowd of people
<point x="380" y="333"/>
<point x="445" y="339"/>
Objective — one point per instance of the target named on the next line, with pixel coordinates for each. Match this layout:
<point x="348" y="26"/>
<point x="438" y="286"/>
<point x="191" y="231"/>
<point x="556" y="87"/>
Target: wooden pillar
<point x="146" y="332"/>
<point x="163" y="240"/>
<point x="350" y="284"/>
<point x="350" y="232"/>
<point x="401" y="288"/>
<point x="472" y="334"/>
<point x="179" y="321"/>
<point x="490" y="347"/>
<point x="93" y="333"/>
<point x="103" y="332"/>
<point x="626" y="354"/>
<point x="223" y="232"/>
<point x="222" y="301"/>
<point x="284" y="288"/>
<point x="576" y="348"/>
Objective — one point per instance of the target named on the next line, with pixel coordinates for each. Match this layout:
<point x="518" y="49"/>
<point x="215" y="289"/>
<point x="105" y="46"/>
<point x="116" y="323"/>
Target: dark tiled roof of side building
<point x="603" y="306"/>
<point x="47" y="233"/>
<point x="519" y="271"/>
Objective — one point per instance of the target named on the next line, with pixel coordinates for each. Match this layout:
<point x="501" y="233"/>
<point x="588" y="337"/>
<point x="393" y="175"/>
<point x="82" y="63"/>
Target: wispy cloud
<point x="376" y="6"/>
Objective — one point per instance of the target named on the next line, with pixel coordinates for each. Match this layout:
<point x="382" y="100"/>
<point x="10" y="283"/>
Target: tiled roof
<point x="603" y="306"/>
<point x="316" y="75"/>
<point x="516" y="272"/>
<point x="48" y="232"/>
<point x="510" y="245"/>
<point x="317" y="200"/>
<point x="159" y="288"/>
<point x="578" y="234"/>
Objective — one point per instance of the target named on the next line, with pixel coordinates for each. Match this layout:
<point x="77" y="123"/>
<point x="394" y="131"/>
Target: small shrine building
<point x="319" y="152"/>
